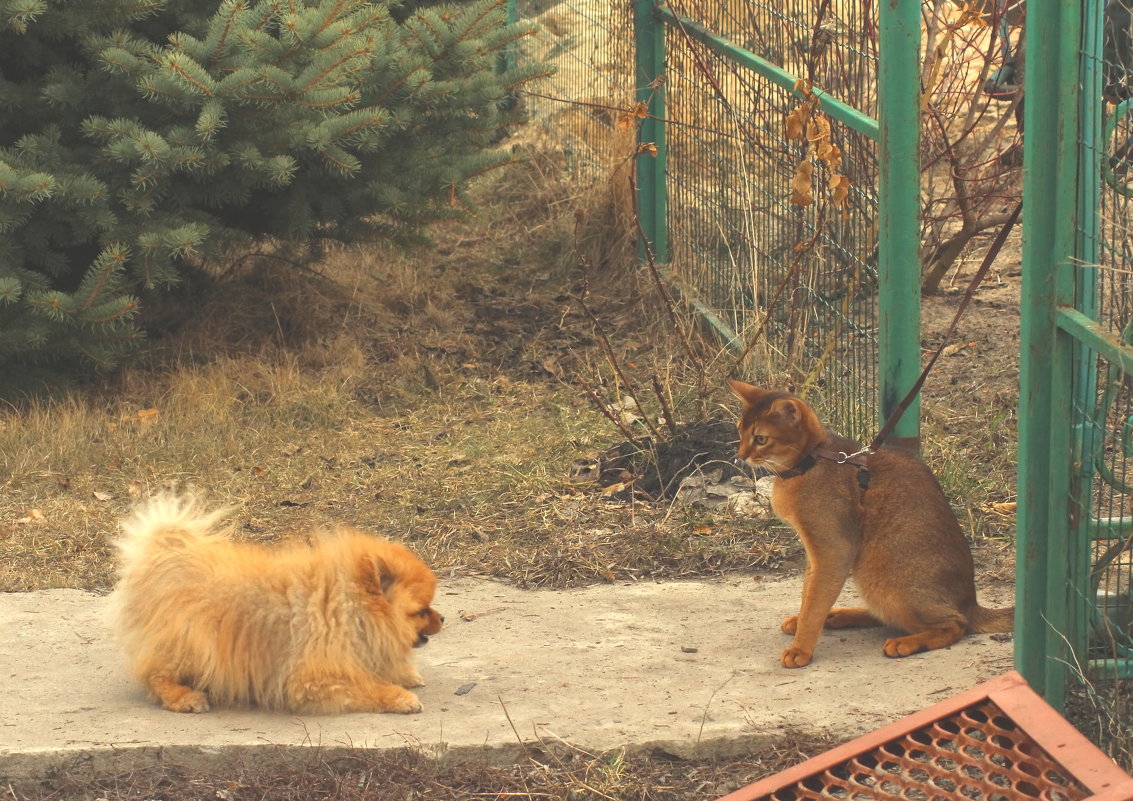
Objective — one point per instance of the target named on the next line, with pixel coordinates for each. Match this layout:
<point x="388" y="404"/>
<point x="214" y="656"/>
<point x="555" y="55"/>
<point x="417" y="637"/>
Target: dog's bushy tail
<point x="168" y="520"/>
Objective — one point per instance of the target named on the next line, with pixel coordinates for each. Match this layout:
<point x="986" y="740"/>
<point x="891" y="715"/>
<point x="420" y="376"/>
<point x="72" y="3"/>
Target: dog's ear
<point x="375" y="575"/>
<point x="385" y="576"/>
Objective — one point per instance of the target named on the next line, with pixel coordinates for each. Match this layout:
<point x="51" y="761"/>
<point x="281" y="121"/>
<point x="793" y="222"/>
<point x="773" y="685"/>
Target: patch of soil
<point x="655" y="470"/>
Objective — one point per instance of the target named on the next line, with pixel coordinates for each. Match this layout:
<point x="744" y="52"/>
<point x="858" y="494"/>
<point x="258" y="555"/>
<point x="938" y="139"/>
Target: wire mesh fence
<point x="792" y="274"/>
<point x="1102" y="492"/>
<point x="589" y="44"/>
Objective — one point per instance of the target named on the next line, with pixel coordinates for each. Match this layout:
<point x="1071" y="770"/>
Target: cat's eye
<point x="760" y="439"/>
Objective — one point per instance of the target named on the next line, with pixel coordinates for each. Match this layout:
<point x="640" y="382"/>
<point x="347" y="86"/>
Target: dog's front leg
<point x="358" y="692"/>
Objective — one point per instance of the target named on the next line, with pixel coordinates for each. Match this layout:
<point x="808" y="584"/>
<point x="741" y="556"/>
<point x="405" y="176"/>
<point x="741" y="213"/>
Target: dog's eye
<point x="424" y="612"/>
<point x="760" y="439"/>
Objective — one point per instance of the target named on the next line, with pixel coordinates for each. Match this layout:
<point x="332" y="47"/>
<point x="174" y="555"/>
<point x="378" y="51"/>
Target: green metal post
<point x="652" y="200"/>
<point x="1088" y="429"/>
<point x="899" y="203"/>
<point x="1044" y="624"/>
<point x="507" y="56"/>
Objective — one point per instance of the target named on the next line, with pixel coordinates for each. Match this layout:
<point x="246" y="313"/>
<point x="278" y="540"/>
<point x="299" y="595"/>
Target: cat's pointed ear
<point x="748" y="393"/>
<point x="790" y="409"/>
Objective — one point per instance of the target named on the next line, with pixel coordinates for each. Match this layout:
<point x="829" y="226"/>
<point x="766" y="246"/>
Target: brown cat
<point x="897" y="536"/>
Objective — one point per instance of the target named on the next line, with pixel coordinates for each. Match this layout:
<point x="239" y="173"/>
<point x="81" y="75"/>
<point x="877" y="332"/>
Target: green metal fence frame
<point x="1059" y="338"/>
<point x="896" y="130"/>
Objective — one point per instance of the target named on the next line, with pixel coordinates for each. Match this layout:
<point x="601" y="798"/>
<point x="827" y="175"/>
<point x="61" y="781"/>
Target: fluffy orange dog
<point x="323" y="628"/>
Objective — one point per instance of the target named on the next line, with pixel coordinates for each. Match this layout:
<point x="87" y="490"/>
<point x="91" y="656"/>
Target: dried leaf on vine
<point x="801" y="184"/>
<point x="627" y="118"/>
<point x="840" y="191"/>
<point x="832" y="155"/>
<point x="966" y="15"/>
<point x="818" y="129"/>
<point x="647" y="147"/>
<point x="796" y="122"/>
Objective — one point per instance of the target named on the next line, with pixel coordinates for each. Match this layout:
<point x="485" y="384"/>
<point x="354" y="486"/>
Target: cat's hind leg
<point x="856" y="617"/>
<point x="925" y="640"/>
<point x="175" y="696"/>
<point x="851" y="617"/>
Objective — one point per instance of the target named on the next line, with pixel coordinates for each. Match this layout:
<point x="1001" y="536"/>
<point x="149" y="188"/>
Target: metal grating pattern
<point x="978" y="754"/>
<point x="996" y="742"/>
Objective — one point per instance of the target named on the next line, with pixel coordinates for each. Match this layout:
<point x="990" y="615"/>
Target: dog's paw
<point x="795" y="658"/>
<point x="405" y="703"/>
<point x="790" y="625"/>
<point x="188" y="701"/>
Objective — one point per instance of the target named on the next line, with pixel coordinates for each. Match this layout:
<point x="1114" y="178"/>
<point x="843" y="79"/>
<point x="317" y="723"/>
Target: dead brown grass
<point x="560" y="774"/>
<point x="428" y="395"/>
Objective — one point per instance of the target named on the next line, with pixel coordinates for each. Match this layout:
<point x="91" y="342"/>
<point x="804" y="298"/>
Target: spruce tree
<point x="139" y="137"/>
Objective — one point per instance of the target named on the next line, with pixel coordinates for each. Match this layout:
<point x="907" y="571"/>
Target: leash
<point x="989" y="257"/>
<point x="860" y="458"/>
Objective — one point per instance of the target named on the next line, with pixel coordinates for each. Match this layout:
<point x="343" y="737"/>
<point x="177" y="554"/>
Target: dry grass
<point x="427" y="395"/>
<point x="558" y="774"/>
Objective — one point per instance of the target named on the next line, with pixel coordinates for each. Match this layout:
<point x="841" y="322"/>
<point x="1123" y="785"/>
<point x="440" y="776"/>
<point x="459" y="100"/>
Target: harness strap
<point x="860" y="459"/>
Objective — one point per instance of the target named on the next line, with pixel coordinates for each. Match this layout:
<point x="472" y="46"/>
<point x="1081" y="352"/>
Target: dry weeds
<point x="559" y="774"/>
<point x="427" y="395"/>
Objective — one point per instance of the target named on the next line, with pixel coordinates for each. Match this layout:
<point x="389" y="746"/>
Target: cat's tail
<point x="982" y="620"/>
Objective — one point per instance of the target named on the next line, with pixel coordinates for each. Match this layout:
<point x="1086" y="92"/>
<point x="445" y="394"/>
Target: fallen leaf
<point x="32" y="516"/>
<point x="702" y="529"/>
<point x="614" y="489"/>
<point x="259" y="472"/>
<point x="135" y="489"/>
<point x="102" y="496"/>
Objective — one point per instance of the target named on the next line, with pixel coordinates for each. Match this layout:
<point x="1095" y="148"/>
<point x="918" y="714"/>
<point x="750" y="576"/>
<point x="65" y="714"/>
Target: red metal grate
<point x="996" y="742"/>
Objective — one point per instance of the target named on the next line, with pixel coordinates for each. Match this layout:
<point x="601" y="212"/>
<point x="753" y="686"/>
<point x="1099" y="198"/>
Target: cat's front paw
<point x="790" y="625"/>
<point x="795" y="657"/>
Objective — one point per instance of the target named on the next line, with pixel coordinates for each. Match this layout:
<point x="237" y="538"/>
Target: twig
<point x="615" y="363"/>
<point x="606" y="409"/>
<point x="665" y="410"/>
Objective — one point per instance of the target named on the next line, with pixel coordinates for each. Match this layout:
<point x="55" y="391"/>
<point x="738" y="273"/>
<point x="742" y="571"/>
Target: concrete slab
<point x="690" y="668"/>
